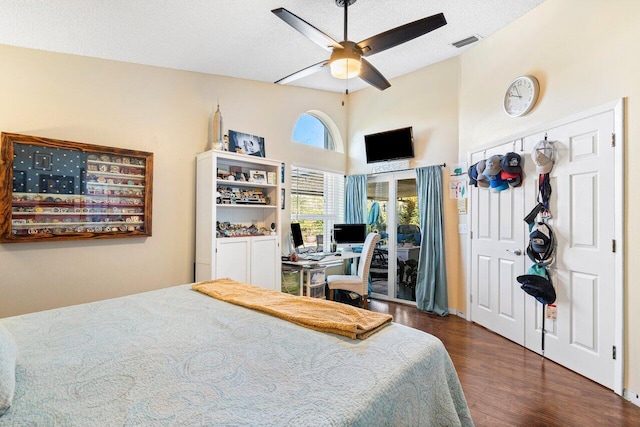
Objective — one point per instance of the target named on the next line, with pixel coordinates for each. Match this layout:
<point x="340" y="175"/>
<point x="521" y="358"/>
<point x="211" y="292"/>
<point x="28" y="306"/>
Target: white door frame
<point x="618" y="107"/>
<point x="391" y="178"/>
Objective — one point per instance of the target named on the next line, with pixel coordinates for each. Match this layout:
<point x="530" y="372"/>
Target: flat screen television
<point x="296" y="234"/>
<point x="349" y="234"/>
<point x="390" y="145"/>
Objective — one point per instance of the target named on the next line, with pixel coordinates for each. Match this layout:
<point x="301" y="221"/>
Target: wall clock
<point x="521" y="96"/>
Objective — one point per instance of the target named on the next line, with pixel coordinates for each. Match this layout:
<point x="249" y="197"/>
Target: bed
<point x="178" y="357"/>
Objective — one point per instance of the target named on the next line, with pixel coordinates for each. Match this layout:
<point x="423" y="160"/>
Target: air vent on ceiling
<point x="466" y="41"/>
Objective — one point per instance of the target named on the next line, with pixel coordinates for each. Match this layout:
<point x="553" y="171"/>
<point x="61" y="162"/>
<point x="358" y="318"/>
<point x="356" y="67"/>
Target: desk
<point x="306" y="266"/>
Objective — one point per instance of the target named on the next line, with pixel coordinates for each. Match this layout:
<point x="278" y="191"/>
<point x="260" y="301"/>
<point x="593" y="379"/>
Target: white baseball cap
<point x="543" y="155"/>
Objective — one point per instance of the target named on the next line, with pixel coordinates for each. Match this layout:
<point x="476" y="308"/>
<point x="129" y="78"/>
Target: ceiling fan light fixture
<point x="345" y="62"/>
<point x="345" y="68"/>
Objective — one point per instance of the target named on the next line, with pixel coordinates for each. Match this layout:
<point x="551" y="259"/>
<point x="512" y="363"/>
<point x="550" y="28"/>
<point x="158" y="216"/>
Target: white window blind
<point x="317" y="202"/>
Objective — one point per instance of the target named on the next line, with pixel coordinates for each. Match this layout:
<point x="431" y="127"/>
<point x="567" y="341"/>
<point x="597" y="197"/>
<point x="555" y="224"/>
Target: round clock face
<point x="521" y="96"/>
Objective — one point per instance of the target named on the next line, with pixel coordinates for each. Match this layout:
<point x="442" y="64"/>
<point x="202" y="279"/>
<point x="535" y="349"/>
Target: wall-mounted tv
<point x="390" y="145"/>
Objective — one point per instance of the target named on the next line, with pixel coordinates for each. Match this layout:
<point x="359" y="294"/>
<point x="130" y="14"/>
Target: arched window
<point x="316" y="129"/>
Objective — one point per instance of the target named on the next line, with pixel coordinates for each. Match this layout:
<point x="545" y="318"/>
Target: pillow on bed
<point x="8" y="356"/>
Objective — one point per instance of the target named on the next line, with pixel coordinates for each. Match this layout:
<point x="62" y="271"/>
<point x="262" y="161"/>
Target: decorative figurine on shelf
<point x="273" y="228"/>
<point x="217" y="141"/>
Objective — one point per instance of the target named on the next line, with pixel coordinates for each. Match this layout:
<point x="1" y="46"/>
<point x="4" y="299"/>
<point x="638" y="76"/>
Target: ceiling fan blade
<point x="399" y="35"/>
<point x="306" y="29"/>
<point x="303" y="73"/>
<point x="371" y="75"/>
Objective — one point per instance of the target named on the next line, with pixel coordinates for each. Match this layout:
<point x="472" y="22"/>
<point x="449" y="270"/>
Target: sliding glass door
<point x="392" y="201"/>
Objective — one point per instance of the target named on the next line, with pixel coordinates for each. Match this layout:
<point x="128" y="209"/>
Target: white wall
<point x="163" y="111"/>
<point x="428" y="101"/>
<point x="584" y="54"/>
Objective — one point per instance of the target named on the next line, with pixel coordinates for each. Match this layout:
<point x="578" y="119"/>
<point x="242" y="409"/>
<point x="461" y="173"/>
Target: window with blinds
<point x="317" y="203"/>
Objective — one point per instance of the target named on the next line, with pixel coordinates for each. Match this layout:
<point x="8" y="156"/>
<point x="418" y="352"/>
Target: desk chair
<point x="356" y="283"/>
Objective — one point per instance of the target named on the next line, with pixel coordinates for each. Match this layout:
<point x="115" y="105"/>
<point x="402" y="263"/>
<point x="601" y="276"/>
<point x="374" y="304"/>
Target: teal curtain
<point x="431" y="283"/>
<point x="355" y="190"/>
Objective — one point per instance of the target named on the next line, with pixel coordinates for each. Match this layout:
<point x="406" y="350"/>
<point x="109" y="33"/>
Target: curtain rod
<point x="443" y="165"/>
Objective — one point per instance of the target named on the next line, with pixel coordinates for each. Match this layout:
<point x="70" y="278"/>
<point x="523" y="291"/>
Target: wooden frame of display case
<point x="62" y="190"/>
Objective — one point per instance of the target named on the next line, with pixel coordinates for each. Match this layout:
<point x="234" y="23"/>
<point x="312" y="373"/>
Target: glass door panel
<point x="377" y="207"/>
<point x="407" y="241"/>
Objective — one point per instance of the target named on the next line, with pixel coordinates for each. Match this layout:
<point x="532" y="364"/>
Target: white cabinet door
<point x="232" y="259"/>
<point x="265" y="262"/>
<point x="252" y="260"/>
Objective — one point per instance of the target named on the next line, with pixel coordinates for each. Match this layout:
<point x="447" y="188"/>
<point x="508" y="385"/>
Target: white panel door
<point x="497" y="248"/>
<point x="265" y="262"/>
<point x="232" y="258"/>
<point x="582" y="205"/>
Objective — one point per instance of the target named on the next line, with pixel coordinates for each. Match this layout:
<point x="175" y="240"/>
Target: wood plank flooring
<point x="508" y="385"/>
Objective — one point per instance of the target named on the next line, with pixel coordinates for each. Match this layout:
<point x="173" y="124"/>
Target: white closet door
<point x="583" y="208"/>
<point x="497" y="255"/>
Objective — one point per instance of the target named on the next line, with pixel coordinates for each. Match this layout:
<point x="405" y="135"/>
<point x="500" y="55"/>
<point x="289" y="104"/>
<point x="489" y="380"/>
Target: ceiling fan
<point x="347" y="57"/>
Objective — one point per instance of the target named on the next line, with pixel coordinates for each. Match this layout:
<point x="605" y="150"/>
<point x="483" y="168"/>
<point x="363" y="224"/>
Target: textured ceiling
<point x="242" y="38"/>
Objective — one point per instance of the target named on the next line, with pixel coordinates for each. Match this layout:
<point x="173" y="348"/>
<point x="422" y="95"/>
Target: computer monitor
<point x="296" y="234"/>
<point x="349" y="235"/>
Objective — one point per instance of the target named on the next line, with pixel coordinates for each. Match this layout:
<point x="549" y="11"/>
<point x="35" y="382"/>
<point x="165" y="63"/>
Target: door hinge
<point x="471" y="298"/>
<point x="613" y="353"/>
<point x="613" y="139"/>
<point x="471" y="234"/>
<point x="613" y="245"/>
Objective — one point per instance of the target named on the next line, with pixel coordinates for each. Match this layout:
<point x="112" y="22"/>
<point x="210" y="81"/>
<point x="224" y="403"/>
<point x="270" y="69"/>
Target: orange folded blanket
<point x="313" y="313"/>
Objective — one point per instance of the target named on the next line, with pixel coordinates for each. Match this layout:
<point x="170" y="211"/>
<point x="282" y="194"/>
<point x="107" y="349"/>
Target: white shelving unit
<point x="234" y="218"/>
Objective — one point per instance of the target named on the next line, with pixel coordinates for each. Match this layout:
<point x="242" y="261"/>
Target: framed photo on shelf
<point x="259" y="177"/>
<point x="271" y="178"/>
<point x="244" y="143"/>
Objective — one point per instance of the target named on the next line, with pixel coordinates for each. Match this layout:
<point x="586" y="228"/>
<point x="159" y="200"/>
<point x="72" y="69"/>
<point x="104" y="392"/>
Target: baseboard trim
<point x="631" y="396"/>
<point x="458" y="313"/>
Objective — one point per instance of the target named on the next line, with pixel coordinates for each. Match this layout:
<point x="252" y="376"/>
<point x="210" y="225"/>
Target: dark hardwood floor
<point x="508" y="385"/>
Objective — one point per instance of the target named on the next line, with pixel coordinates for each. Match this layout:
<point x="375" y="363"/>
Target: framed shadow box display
<point x="61" y="190"/>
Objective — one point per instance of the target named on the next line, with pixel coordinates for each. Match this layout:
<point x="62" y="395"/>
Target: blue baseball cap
<point x="498" y="184"/>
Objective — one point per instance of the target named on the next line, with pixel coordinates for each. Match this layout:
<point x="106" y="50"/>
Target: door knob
<point x="516" y="252"/>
